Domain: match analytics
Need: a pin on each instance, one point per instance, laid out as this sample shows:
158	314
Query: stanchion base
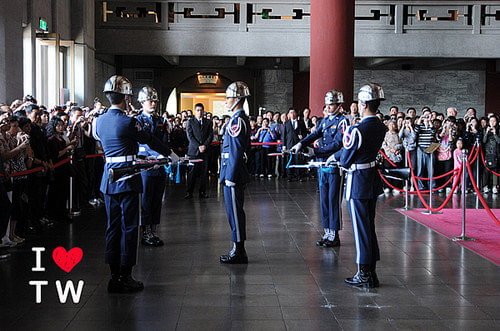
74	213
405	209
463	238
428	212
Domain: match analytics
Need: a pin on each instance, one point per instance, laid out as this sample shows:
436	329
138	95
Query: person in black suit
306	113
200	135
294	131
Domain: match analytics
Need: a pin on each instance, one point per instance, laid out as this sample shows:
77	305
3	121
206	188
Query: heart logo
67	260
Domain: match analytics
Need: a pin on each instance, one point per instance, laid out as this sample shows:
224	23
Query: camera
30	98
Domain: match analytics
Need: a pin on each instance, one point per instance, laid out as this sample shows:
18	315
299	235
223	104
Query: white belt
119	159
225	155
361	166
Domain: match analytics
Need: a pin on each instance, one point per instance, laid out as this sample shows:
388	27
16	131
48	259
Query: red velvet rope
388	160
445	201
37	169
480	195
414	192
258	144
482	157
409	162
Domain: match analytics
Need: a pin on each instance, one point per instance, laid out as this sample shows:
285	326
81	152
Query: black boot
237	255
159	242
114	285
126	283
374	274
147	236
363	278
333	243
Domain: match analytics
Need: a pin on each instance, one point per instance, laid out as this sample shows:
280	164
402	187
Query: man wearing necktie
200	134
293	131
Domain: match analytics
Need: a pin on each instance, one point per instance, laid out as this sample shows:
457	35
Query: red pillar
332	51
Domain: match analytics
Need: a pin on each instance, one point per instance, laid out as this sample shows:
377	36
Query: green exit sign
43	25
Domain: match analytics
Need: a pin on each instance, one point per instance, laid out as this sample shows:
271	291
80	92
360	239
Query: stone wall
277	89
435	89
102	72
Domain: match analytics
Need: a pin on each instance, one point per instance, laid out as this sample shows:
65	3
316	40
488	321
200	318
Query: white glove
230	183
174	158
331	160
296	148
151	158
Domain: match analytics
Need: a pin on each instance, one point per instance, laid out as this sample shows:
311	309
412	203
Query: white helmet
238	90
333	97
147	93
371	92
118	84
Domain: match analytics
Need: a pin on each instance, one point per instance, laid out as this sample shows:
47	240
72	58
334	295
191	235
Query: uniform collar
367	117
116	108
237	112
147	114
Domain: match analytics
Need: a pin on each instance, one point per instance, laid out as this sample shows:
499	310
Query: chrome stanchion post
72	213
407	181
463	237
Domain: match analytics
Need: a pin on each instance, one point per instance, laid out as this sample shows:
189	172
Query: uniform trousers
200	169
330	183
363	224
121	231
152	197
234	197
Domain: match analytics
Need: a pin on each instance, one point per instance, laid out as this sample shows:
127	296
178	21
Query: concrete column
11	51
332	51
83	30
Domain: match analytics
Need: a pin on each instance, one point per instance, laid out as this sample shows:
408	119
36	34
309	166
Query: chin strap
335	112
234	105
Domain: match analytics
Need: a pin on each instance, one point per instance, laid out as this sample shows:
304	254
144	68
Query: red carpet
478	225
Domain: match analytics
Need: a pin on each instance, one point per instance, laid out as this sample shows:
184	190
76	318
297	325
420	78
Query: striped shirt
425	135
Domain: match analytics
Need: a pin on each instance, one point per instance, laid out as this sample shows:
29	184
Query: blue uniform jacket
236	143
330	130
119	136
157	127
362	143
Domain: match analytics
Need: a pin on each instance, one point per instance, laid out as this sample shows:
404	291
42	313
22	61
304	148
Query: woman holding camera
265	135
473	136
445	151
491	141
409	139
22	162
59	187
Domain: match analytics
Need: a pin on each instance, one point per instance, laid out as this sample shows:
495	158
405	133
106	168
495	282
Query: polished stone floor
427	281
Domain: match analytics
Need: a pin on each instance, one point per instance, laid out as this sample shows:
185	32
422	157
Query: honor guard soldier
119	136
330	132
153	181
233	172
362	143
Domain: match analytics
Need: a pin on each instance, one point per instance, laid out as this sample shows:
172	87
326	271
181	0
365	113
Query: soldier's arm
237	147
313	135
145	137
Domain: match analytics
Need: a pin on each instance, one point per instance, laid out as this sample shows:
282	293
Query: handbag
491	161
444	153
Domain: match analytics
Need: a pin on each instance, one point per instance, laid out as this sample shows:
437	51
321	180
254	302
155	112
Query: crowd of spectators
33	136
